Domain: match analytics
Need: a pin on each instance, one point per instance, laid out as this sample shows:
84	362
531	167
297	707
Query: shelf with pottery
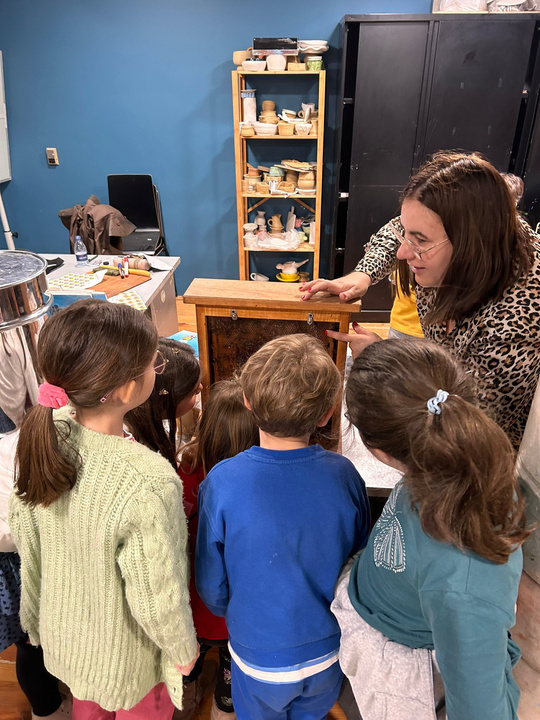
248	202
280	72
280	137
302	248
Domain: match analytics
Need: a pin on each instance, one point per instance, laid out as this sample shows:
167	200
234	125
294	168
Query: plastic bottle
79	248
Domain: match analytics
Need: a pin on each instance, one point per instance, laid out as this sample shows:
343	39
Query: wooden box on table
236	317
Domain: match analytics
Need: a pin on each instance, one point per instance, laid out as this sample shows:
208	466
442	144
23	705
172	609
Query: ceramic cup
259	276
250	227
307	110
268	105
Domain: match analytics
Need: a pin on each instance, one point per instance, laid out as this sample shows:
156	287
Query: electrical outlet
52	156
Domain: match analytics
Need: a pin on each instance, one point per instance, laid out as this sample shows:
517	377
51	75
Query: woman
476	269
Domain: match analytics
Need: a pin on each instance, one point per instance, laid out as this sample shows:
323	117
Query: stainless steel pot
24	302
23	288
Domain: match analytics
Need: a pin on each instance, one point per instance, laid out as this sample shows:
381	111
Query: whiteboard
5	169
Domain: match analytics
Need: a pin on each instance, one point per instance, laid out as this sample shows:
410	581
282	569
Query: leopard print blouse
499	344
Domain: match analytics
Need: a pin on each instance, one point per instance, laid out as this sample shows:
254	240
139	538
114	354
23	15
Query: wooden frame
240	300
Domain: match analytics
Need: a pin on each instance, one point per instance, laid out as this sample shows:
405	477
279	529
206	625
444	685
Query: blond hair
290	383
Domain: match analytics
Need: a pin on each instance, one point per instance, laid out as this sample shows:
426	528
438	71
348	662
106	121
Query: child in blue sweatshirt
276	523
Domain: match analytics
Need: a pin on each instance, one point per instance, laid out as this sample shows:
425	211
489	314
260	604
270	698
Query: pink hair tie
52	396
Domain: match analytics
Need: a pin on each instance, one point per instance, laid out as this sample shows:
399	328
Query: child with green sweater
99	523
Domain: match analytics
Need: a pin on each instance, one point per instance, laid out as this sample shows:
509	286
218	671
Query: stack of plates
312	47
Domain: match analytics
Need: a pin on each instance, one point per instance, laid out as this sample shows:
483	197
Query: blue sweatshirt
423	593
275	527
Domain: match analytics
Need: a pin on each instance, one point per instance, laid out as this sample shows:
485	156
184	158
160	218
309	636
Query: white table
158	293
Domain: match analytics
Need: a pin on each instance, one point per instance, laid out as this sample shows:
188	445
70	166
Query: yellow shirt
404	315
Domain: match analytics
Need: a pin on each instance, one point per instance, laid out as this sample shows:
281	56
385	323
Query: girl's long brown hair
460	466
180	378
492	248
226	428
88	349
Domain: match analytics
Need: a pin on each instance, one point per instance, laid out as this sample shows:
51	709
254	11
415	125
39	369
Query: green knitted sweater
105	573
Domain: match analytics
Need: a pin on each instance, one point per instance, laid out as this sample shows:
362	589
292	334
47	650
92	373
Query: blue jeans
309	699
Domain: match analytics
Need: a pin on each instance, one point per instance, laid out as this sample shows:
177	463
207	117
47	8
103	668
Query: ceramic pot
239	56
302	128
314	62
291	175
268	105
285	128
275	223
276	62
306	180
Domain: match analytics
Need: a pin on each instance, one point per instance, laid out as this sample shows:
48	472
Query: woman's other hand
348	287
358	340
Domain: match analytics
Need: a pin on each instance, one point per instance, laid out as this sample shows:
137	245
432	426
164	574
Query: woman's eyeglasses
417	251
159	367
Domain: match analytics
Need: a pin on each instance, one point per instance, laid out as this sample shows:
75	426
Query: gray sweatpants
389	681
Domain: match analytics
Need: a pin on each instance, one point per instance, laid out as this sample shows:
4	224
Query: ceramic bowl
265	128
287	187
302	128
254	65
240	55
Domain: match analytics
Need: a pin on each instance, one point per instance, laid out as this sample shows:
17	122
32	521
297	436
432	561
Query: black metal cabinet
414	84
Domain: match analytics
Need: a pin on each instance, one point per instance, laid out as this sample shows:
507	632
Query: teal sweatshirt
423	593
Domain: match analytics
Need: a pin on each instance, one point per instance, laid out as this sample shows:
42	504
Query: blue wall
130	86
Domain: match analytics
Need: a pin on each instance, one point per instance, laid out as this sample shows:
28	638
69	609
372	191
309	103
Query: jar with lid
249	106
314	62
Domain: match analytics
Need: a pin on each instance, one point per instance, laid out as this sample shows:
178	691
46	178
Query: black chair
137	198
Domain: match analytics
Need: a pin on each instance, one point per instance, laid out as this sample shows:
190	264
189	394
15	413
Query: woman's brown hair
180	378
226	428
88	349
492	249
460	466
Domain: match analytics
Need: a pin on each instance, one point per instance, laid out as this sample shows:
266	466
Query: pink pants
157	705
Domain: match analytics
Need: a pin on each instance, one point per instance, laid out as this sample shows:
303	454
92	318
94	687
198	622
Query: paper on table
77	280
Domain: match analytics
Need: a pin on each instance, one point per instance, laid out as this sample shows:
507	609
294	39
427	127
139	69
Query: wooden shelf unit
240	81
